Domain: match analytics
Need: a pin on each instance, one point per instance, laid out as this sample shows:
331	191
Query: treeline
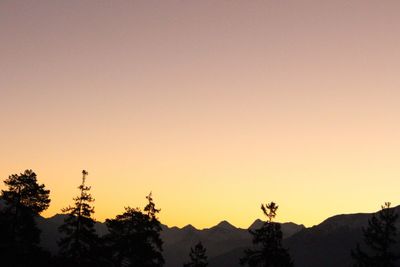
133	237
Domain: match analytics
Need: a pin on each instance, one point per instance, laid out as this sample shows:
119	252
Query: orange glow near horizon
214	106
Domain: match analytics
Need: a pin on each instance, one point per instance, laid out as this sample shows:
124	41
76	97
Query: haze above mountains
327	244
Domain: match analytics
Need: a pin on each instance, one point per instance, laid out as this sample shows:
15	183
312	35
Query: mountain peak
256	224
189	227
226	225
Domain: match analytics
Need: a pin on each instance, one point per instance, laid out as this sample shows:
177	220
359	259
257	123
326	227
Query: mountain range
327	244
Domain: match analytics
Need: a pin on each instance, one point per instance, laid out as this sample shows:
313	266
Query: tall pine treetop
24	190
134	237
82	205
24	198
80	241
380	238
267	248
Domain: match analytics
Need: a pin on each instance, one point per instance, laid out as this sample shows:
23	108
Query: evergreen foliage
134	237
198	257
380	239
22	200
80	242
267	242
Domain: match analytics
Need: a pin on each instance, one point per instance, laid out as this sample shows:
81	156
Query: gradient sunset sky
215	106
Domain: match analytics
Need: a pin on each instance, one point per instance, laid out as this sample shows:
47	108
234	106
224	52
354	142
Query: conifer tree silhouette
134	237
267	242
198	257
80	241
22	200
380	238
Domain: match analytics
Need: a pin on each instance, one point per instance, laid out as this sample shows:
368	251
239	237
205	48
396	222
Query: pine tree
134	237
267	242
22	201
80	241
197	256
380	239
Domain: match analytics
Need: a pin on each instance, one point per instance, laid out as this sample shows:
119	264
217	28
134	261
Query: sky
214	106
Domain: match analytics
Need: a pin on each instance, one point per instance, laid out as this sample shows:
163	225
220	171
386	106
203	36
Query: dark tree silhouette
22	200
79	243
198	257
380	238
267	242
134	237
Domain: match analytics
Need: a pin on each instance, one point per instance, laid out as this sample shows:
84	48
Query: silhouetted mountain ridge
225	225
327	244
218	239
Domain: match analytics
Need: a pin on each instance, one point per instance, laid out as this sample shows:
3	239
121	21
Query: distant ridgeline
137	238
220	240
